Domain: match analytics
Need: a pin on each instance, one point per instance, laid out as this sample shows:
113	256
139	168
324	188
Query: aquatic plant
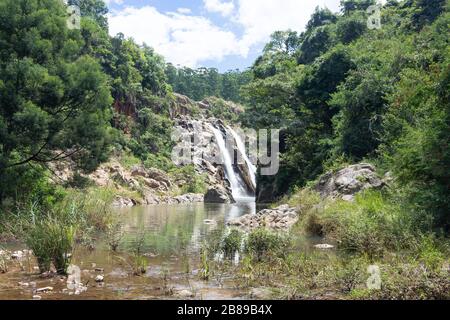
232	243
205	264
114	234
262	242
52	241
139	261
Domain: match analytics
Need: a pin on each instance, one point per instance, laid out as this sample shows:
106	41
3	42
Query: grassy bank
377	239
52	231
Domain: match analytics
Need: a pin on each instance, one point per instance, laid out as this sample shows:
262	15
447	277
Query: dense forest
205	82
340	92
343	93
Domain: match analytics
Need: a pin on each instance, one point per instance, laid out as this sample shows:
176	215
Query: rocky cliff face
204	152
194	123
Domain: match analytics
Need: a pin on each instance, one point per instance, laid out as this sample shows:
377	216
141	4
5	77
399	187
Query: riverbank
158	257
345	237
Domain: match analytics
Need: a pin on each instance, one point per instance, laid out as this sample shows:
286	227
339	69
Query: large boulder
345	183
150	198
219	194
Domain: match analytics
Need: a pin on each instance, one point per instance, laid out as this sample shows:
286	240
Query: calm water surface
170	238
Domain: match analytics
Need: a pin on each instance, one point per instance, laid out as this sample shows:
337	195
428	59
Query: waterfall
236	187
241	147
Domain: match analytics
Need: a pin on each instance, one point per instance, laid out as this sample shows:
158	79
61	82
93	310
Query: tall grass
52	232
52	241
371	224
262	244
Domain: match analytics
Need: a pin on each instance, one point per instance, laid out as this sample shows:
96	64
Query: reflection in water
173	237
175	229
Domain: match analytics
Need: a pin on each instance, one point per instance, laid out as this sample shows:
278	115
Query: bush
262	243
370	225
51	241
193	182
232	243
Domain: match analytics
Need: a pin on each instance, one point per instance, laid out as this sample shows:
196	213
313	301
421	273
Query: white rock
324	246
36	297
45	289
348	197
185	294
99	278
17	255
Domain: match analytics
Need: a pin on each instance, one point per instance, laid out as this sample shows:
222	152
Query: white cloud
187	39
181	39
113	1
184	10
260	18
225	8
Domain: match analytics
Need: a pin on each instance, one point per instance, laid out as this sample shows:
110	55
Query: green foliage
223	110
51	240
158	161
316	42
151	135
349	6
370	225
55	100
262	243
379	94
426	11
351	28
193	182
232	243
412	282
206	82
205	272
92	9
320	17
114	233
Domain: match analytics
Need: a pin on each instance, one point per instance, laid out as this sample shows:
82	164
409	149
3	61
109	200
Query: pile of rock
280	218
152	199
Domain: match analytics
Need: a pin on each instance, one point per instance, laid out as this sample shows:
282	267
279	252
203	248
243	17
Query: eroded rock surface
345	183
218	194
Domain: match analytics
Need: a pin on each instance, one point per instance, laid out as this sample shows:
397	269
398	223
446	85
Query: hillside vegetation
340	92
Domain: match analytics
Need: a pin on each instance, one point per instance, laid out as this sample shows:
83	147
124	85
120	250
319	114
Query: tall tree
55	102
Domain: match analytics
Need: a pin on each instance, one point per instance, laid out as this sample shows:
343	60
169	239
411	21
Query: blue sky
225	34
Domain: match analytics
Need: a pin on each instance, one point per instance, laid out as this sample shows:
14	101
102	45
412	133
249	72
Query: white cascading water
241	147
237	189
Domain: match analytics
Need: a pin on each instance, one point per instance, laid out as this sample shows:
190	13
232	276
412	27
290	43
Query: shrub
262	243
371	224
304	199
51	241
193	181
114	234
232	243
158	161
